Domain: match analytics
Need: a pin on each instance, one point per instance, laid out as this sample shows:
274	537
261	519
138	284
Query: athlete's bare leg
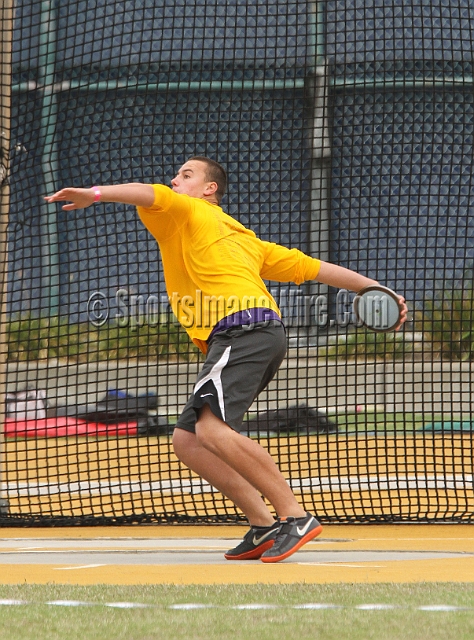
249	460
208	466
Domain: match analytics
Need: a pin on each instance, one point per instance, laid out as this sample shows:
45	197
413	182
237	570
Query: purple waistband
243	318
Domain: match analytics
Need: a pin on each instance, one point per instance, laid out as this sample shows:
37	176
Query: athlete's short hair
214	173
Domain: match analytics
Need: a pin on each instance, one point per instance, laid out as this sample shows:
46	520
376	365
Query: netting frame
318	236
6	31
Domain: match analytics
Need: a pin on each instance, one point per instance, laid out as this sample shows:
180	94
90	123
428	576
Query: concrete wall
402	387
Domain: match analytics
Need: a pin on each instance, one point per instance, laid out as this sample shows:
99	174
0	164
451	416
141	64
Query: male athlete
214	269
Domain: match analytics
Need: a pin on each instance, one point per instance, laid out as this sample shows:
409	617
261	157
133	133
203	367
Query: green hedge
32	338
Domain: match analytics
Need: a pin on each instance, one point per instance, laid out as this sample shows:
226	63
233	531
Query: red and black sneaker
293	534
256	541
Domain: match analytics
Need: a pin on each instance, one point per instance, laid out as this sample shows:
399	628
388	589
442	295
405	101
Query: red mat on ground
63	426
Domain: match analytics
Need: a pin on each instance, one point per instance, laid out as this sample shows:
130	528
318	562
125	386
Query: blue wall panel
401	170
402	178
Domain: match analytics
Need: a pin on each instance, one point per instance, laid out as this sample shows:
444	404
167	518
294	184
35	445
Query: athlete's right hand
79	198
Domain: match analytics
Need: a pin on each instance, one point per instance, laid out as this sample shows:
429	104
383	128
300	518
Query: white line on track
167	487
127	605
192	606
338	564
69	603
375	607
84	566
26	549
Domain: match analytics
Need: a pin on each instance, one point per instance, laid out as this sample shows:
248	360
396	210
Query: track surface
194	555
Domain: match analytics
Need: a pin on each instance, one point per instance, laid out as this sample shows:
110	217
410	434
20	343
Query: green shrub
33	338
447	319
365	344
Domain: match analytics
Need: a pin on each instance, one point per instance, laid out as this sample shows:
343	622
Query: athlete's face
192	180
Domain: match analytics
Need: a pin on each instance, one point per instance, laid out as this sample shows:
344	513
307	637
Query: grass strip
239	611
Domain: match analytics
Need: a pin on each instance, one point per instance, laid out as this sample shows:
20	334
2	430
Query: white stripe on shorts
215	376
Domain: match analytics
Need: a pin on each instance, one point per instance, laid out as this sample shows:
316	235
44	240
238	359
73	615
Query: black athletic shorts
240	363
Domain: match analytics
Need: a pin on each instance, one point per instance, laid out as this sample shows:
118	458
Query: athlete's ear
210	188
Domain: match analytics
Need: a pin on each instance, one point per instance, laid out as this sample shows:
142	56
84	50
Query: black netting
347	130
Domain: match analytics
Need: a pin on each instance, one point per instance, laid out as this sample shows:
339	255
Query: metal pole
49	163
167	87
336	85
366	85
6	29
321	154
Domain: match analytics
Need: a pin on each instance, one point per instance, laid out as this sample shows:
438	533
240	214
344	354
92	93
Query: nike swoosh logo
257	541
302	531
206	394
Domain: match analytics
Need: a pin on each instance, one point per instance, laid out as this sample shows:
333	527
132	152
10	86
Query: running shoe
293	534
255	542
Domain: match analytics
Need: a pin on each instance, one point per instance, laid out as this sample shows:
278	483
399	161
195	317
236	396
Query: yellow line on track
379	538
444	570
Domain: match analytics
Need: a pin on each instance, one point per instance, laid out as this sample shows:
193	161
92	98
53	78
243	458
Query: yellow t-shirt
213	265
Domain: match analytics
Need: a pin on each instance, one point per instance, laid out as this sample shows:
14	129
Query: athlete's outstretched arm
137	194
342	278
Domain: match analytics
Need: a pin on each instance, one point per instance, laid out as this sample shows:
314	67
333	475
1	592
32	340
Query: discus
377	308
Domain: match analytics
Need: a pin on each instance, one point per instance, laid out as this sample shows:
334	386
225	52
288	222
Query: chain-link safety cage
347	130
